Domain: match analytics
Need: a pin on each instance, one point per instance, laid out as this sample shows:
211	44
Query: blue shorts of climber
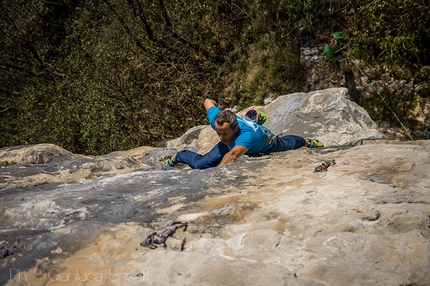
238	136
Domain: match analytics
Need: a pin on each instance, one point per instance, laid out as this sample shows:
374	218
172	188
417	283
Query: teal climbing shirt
250	135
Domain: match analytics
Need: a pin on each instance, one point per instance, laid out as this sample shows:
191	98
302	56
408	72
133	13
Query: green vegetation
96	77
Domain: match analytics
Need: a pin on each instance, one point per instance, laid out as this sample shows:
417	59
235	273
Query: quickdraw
324	166
152	242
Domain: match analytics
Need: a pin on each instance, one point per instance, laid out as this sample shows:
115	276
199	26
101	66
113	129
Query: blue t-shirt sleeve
245	137
211	113
245	140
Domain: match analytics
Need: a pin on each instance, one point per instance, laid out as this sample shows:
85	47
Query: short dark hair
226	116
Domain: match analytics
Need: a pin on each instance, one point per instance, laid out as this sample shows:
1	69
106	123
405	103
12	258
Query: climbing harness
324	166
270	138
152	242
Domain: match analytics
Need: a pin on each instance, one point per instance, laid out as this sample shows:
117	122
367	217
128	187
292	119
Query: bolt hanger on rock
152	242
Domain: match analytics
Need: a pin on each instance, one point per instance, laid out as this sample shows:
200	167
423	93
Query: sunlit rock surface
269	220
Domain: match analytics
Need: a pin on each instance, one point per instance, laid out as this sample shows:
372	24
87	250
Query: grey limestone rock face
269	220
328	115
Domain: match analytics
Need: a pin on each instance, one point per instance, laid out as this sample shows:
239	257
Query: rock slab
259	221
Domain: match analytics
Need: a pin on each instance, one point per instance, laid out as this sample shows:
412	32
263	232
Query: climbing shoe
314	143
170	163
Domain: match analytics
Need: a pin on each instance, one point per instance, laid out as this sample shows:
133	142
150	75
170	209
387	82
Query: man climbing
238	136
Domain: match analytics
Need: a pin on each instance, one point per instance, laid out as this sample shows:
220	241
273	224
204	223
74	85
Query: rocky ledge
268	220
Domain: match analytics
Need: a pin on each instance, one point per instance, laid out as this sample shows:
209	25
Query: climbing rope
340	146
334	51
382	98
350	144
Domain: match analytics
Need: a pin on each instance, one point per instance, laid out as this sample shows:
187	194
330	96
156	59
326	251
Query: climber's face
225	132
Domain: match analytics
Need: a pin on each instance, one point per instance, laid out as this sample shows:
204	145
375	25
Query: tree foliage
99	76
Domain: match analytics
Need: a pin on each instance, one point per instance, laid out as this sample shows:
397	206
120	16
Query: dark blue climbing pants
214	156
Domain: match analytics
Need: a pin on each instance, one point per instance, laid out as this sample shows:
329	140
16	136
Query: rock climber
238	136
